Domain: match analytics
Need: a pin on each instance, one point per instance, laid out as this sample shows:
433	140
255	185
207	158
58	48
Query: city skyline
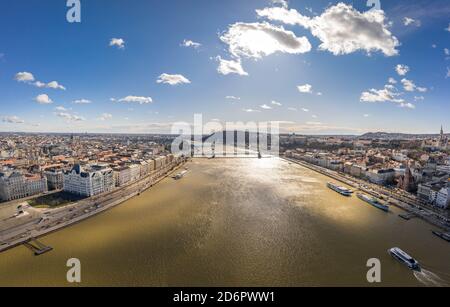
294	62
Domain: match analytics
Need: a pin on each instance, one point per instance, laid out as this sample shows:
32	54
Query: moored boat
374	202
341	190
444	236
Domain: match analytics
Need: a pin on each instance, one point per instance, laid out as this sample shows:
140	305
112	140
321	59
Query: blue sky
294	62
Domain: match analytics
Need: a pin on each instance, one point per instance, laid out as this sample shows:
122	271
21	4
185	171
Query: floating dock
37	247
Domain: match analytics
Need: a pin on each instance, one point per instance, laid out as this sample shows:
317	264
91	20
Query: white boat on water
180	175
341	190
404	258
374	202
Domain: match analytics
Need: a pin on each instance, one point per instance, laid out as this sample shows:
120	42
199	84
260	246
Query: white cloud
233	98
447	51
422	89
407	21
28	78
342	29
407	105
12	120
56	85
172	79
307	88
283	3
82	101
402	70
266	107
117	42
60	108
255	40
53	85
39	84
392	81
105	116
43	99
419	98
410	86
388	94
293	109
448	73
24	77
136	99
70	117
189	43
366	115
250	110
282	14
227	67
448	28
276	103
305	110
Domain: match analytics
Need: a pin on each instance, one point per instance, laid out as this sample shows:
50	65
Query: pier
37	247
407	216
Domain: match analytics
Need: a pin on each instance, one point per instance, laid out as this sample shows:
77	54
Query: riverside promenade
407	204
56	219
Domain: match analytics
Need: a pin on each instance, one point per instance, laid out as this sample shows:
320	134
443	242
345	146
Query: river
236	222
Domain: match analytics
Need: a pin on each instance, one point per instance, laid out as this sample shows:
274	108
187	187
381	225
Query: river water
236	222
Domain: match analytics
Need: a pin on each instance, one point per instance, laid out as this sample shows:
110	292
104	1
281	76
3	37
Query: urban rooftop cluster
418	165
83	165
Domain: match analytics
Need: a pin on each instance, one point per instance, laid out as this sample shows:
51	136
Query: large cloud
255	40
342	29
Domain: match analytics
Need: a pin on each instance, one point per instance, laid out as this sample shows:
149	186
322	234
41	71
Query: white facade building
443	198
89	181
16	185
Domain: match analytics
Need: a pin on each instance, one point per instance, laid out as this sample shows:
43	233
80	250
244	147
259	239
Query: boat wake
430	279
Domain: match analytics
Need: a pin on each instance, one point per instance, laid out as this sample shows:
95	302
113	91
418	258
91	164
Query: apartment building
16	185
